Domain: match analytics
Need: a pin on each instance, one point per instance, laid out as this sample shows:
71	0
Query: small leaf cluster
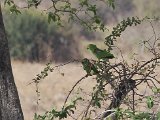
89	7
44	73
95	19
150	102
136	115
55	18
63	113
12	6
34	3
117	31
125	114
111	3
156	90
99	94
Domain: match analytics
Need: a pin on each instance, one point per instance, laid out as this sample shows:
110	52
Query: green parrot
89	67
100	54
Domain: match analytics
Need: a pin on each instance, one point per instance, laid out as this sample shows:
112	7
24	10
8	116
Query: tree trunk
10	108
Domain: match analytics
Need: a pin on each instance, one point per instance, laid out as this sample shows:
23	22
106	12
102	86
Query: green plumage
100	54
89	67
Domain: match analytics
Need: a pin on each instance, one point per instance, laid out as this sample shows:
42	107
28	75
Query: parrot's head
91	47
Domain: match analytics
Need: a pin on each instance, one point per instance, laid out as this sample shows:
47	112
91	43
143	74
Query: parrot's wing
86	66
108	54
100	54
103	54
95	71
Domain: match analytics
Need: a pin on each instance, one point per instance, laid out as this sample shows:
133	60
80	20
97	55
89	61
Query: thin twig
73	88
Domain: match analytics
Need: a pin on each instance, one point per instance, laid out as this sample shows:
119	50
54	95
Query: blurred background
33	43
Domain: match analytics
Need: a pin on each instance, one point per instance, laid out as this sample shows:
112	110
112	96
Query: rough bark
10	108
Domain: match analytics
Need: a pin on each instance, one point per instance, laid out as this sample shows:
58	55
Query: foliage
121	77
64	113
32	38
117	31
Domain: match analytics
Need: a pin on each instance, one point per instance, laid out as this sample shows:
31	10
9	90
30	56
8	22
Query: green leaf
150	102
97	20
98	104
111	3
13	9
69	107
93	9
34	3
51	17
83	2
72	111
156	90
142	116
9	2
35	116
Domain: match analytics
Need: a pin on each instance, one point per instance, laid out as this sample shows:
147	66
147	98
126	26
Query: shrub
32	38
